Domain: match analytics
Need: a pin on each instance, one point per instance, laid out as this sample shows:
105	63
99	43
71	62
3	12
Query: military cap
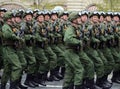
28	12
3	9
63	13
95	13
73	16
8	15
39	13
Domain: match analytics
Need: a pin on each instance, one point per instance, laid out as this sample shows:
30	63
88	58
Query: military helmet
95	13
116	14
3	9
14	11
54	12
39	13
8	15
36	10
46	12
22	11
109	14
84	13
73	16
80	13
63	13
59	8
18	14
28	12
101	13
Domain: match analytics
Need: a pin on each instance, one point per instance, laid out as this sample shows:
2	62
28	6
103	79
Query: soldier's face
101	19
40	18
13	19
54	17
108	18
84	18
79	20
2	14
65	17
75	21
28	17
95	19
116	18
47	17
9	21
18	19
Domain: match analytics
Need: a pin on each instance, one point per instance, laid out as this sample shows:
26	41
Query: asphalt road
58	84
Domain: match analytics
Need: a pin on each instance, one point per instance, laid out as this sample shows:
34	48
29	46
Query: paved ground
58	85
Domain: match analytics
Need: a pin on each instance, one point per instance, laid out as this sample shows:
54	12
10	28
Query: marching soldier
57	39
26	26
12	65
89	69
74	69
40	43
116	53
2	12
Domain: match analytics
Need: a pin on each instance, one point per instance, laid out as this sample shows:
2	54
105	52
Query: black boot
104	83
20	85
63	71
2	86
52	76
29	81
90	84
14	85
71	86
40	79
116	77
66	88
57	73
79	87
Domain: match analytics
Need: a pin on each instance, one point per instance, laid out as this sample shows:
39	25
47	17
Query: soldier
26	26
103	82
57	39
2	12
84	35
38	50
93	28
116	28
74	69
47	15
63	16
52	57
12	65
19	32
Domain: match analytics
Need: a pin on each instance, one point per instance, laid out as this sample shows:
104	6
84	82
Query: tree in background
109	5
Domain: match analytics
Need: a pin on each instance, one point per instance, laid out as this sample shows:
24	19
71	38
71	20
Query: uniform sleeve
8	34
37	35
70	37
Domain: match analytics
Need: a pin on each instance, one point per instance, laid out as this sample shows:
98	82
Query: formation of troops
52	45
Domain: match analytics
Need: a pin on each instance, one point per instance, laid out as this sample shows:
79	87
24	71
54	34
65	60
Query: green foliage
109	5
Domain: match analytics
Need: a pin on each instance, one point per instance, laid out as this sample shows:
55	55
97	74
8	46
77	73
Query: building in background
71	5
